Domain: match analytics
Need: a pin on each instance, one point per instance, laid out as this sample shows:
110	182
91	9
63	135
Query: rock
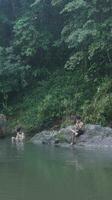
45	137
94	136
2	125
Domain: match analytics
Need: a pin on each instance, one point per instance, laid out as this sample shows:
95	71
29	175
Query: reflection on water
19	145
30	172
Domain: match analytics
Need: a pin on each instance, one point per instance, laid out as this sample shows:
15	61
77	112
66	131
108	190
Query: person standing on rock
78	129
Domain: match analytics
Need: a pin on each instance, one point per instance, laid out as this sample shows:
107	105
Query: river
30	172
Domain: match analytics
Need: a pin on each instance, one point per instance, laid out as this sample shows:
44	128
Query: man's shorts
79	132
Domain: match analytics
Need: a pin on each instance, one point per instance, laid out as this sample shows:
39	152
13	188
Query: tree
87	32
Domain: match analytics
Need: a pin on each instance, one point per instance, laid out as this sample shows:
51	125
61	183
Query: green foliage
99	109
74	5
11	71
88	32
75	60
27	38
61	96
38	38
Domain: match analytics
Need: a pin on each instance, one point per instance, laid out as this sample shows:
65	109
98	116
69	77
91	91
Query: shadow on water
43	172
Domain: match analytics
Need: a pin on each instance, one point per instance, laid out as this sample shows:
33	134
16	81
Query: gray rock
94	136
45	137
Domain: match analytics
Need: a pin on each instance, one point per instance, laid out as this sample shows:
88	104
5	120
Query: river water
29	172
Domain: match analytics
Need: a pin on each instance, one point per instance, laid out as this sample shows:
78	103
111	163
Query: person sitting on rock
78	129
20	136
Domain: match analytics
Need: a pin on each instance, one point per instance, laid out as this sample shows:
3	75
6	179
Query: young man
77	130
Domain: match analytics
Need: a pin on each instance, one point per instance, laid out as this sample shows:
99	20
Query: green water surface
29	172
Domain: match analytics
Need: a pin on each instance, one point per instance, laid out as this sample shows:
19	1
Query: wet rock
45	137
94	136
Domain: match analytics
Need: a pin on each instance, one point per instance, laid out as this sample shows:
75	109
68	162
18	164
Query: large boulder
3	121
44	137
94	136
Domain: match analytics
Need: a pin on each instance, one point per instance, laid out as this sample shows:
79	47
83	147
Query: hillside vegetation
55	61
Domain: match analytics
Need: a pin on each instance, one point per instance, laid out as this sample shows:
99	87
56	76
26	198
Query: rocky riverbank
94	136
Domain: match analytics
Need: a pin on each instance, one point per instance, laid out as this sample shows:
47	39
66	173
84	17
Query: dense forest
55	61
